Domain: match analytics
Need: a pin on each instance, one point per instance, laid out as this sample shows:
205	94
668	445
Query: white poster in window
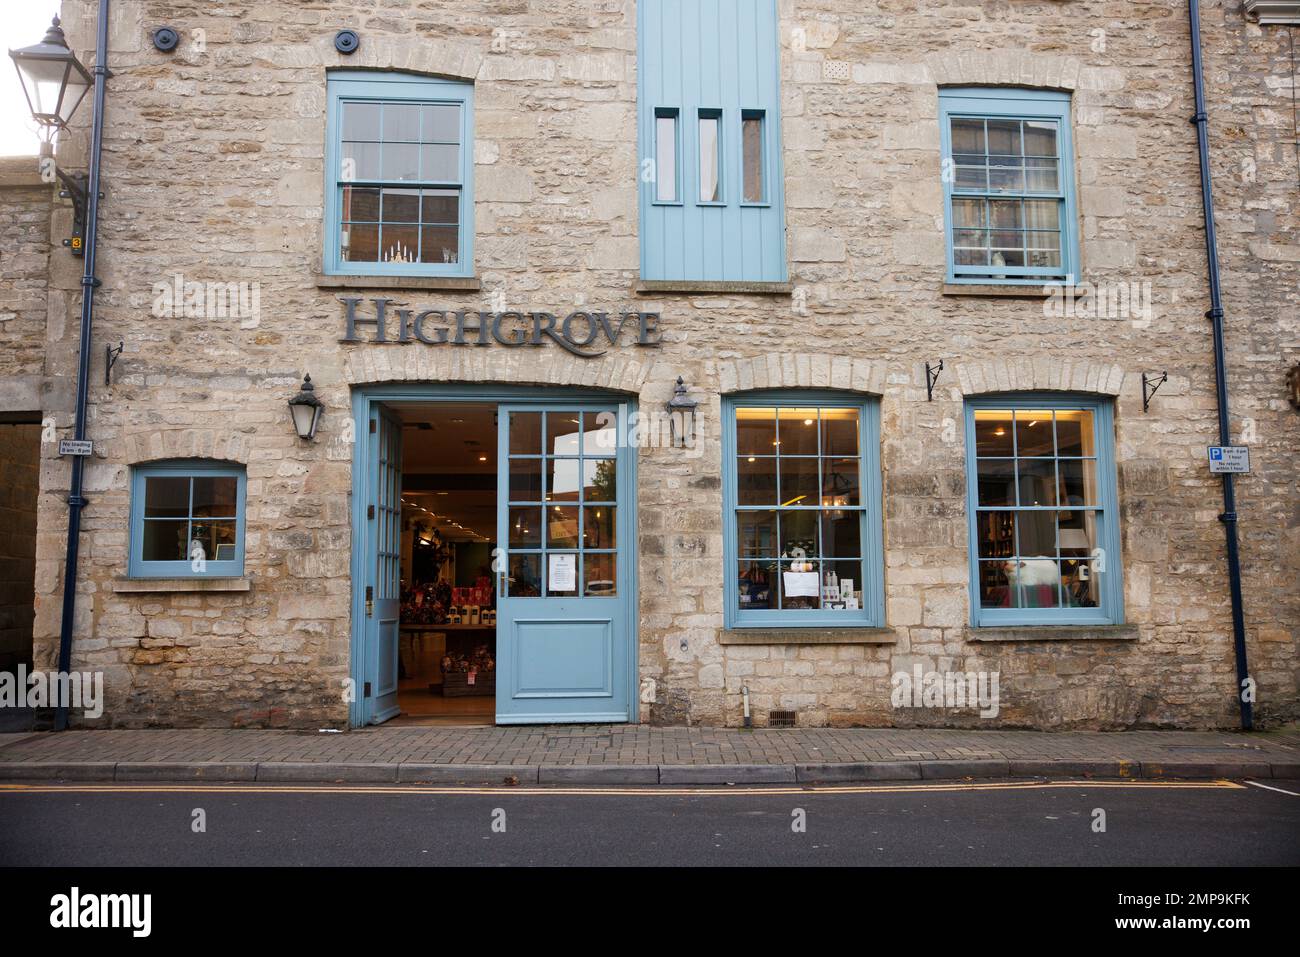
563	573
801	584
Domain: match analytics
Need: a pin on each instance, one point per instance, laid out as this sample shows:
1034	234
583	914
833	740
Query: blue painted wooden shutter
712	58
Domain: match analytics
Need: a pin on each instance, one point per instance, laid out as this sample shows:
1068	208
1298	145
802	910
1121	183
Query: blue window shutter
352	86
711	58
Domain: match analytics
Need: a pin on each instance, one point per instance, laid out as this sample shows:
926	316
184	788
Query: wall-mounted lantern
306	410
55	83
1293	385
681	416
53	79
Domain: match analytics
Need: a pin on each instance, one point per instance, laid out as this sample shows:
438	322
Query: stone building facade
214	163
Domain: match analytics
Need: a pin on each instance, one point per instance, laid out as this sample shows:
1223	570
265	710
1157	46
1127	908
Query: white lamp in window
306	410
1076	540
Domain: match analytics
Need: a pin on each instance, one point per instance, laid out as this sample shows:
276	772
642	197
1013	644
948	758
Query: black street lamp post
55	83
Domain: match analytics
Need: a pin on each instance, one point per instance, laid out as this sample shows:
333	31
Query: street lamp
55	83
306	410
53	79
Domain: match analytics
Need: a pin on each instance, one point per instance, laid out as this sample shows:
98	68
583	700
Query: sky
23	23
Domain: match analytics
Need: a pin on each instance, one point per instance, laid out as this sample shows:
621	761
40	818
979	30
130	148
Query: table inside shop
461	640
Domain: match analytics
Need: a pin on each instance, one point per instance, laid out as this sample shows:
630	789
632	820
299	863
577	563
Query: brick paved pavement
626	753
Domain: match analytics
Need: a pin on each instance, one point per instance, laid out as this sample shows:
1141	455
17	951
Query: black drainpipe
1215	315
88	284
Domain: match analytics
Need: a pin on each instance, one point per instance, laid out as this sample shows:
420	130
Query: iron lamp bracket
76	187
1150	384
931	377
111	355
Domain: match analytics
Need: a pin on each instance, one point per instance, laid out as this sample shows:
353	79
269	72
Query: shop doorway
447	650
493	567
20	469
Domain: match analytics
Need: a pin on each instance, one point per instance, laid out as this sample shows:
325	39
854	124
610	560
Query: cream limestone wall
214	169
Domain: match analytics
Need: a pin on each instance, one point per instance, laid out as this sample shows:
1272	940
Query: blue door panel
386	682
568	658
384	528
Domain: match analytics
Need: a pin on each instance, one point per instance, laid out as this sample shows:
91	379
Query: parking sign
1229	458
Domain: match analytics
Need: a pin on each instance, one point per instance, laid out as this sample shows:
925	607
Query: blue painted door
564	571
383	590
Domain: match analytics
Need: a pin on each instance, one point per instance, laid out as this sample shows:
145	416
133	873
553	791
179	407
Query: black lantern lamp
681	416
53	79
55	83
306	410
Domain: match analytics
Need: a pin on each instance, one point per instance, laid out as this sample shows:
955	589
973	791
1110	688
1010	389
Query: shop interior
1039	502
447	652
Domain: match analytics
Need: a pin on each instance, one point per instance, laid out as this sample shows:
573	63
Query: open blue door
383	589
564	574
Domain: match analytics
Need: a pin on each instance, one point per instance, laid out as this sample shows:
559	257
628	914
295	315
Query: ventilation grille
836	70
781	719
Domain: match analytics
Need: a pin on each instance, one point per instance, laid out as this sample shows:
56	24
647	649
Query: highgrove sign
585	334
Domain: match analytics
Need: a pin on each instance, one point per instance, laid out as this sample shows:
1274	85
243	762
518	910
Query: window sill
992	290
649	287
436	283
1053	633
807	636
146	585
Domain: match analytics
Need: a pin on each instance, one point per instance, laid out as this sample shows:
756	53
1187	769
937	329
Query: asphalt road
984	823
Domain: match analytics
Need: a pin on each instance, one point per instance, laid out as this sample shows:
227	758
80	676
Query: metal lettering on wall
581	333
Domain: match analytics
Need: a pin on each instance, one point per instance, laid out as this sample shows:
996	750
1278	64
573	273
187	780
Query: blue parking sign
1229	458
